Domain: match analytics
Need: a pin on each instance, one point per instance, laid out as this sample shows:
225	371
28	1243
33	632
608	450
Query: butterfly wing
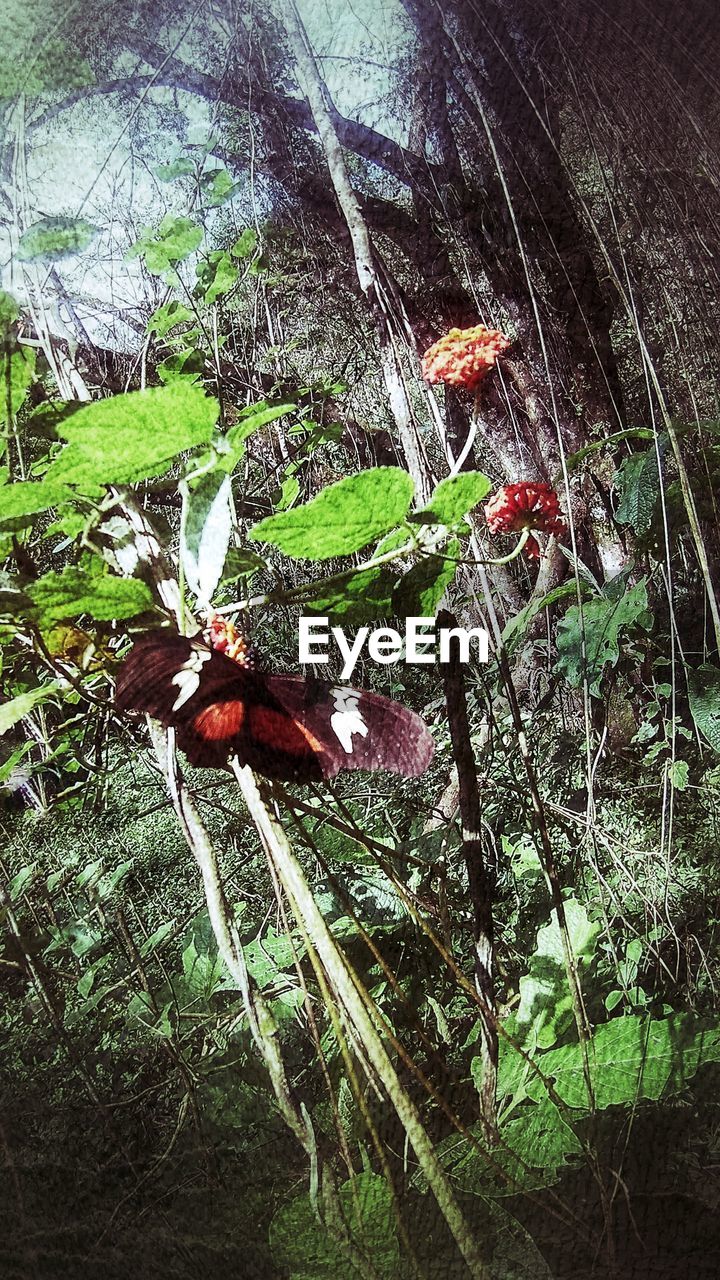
285	727
355	729
217	707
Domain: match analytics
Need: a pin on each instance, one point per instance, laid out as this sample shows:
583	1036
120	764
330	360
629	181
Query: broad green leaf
639	484
216	276
217	187
12	712
239	562
205	532
271	955
22	881
178	237
537	1136
309	1250
419	592
53	238
250	420
631	1058
342	518
540	1137
522	620
603	621
166	317
289	490
188	365
678	774
173	241
9	309
179	168
134	436
16	373
26	497
704	698
245	244
545	1008
357	597
8	766
154	941
72	592
573	459
456	495
203	971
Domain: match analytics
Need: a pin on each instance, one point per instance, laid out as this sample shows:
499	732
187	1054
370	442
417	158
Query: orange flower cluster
222	634
463	357
528	505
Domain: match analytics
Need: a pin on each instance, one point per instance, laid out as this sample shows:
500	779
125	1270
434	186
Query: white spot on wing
346	719
187	679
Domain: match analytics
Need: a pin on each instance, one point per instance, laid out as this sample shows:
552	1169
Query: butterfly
288	727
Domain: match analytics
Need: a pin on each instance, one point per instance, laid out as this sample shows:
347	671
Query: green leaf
245	245
239	562
678	774
152	943
175	239
205	532
16	373
251	420
704	698
639	484
289	490
9	309
342	518
603	620
166	317
188	365
519	624
306	1248
53	238
12	712
419	592
8	766
545	1009
573	459
217	276
26	497
271	955
72	592
456	495
134	436
203	971
22	881
179	168
217	187
357	597
631	1057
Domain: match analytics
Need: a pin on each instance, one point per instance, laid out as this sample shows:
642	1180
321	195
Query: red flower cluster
530	504
222	634
463	357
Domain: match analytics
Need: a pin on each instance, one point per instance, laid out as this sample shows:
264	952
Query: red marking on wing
220	720
278	730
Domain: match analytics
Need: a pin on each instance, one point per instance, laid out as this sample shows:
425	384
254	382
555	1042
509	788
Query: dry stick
292	878
365	261
355	1088
478	879
260	1019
